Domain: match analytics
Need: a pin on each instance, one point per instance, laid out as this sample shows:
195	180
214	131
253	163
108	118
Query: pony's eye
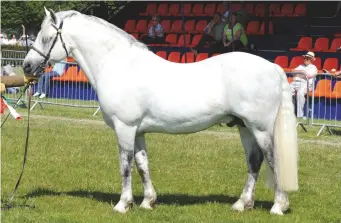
46	39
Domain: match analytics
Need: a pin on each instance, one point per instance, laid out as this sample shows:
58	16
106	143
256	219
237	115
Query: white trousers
300	86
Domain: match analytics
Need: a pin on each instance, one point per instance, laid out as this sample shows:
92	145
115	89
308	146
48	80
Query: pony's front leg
126	138
141	159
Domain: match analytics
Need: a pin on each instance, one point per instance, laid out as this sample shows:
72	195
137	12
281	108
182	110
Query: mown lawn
72	174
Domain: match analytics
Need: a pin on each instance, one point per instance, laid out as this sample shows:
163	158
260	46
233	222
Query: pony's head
50	45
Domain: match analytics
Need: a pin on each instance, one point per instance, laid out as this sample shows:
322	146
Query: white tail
285	141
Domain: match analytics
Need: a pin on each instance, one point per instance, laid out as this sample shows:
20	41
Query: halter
47	56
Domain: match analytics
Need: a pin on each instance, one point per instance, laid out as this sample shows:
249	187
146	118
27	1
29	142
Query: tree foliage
31	13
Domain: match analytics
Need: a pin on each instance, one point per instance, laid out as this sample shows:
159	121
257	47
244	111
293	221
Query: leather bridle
47	56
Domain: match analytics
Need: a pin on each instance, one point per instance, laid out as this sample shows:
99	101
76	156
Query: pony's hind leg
141	159
265	141
126	139
254	159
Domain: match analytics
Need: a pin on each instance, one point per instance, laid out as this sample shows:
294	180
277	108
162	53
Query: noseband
47	56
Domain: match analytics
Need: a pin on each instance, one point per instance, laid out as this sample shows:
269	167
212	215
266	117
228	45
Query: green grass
72	174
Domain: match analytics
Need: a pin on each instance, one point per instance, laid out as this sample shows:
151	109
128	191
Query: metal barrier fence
326	102
318	106
71	89
321	105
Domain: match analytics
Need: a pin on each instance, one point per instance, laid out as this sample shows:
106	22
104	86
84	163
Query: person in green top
213	34
238	40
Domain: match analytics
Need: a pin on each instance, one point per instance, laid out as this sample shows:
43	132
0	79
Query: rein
9	204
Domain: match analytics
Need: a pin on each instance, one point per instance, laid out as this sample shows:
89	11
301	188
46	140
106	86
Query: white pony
139	92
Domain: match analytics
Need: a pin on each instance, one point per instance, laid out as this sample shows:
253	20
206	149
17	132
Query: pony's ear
53	16
47	12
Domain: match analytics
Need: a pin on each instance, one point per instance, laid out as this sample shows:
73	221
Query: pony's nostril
27	67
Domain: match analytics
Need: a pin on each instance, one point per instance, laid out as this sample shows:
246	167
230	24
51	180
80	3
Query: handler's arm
16	80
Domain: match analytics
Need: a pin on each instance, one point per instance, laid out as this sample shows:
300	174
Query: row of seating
322	44
324	89
209	9
72	74
328	64
190	26
187	57
177	41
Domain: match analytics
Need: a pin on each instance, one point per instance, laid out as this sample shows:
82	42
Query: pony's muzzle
27	67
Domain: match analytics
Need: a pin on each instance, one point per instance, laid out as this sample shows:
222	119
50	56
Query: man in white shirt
4	40
307	72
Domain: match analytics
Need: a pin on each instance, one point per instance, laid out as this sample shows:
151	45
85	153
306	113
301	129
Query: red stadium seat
198	9
141	26
296	61
135	35
189	57
174	57
130	26
150	10
176	26
274	9
200	26
336	93
210	9
287	10
321	44
236	7
166	24
304	44
260	10
282	61
262	31
336	43
69	75
201	56
187	9
162	54
181	41
300	10
331	63
323	89
252	28
196	40
318	63
174	9
221	8
171	38
337	35
190	26
81	77
163	9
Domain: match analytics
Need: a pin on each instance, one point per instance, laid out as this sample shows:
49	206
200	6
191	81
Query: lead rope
9	204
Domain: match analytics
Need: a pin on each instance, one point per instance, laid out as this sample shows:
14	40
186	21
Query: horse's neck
92	44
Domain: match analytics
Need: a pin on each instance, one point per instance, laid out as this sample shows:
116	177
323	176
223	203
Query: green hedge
14	47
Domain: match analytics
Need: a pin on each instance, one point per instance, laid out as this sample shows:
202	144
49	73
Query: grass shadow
166	199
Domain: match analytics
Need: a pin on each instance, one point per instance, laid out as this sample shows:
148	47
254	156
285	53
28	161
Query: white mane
68	14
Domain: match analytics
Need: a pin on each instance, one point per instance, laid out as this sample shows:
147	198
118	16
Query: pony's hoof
276	210
146	205
122	207
238	206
